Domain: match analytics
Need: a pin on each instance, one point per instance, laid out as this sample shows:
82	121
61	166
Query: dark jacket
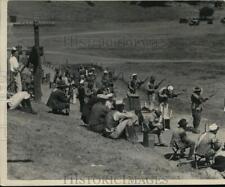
58	100
81	93
97	117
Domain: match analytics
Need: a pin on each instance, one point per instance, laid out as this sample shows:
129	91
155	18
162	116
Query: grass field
153	43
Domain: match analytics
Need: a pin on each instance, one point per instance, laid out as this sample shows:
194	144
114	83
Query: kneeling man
58	101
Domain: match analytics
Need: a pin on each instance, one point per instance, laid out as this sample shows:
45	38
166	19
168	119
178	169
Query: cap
105	72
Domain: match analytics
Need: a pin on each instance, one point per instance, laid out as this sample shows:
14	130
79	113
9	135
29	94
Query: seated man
117	120
58	101
180	138
155	124
208	144
22	98
98	113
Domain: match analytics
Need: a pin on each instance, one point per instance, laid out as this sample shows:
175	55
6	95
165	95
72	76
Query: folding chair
198	158
175	149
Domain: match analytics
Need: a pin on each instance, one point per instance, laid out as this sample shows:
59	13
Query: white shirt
17	98
14	65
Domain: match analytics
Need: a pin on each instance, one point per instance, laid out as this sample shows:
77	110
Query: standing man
81	94
196	107
15	69
133	98
164	95
105	79
134	84
152	90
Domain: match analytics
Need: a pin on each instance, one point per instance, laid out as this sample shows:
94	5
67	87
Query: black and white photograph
114	92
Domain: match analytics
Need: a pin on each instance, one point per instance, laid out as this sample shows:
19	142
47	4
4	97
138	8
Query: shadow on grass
19	160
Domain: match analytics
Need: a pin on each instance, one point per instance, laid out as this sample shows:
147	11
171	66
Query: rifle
159	83
143	81
180	93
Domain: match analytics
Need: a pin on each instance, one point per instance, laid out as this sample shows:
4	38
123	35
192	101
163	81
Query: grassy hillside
102	11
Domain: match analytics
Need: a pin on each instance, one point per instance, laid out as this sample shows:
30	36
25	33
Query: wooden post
37	67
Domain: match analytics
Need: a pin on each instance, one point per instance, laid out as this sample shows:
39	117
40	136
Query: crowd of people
102	111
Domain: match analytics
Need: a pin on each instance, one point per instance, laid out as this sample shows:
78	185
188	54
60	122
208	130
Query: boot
29	107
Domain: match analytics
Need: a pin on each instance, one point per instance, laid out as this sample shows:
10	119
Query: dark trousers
81	104
196	114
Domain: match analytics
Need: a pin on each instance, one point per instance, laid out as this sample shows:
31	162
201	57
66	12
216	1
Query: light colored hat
90	73
170	88
213	127
82	81
110	95
134	74
105	71
103	96
14	49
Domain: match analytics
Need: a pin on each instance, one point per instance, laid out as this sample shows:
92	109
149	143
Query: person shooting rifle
151	90
135	84
164	95
197	101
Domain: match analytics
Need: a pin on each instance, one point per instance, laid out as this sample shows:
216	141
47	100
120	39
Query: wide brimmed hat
197	89
214	127
104	96
119	102
183	122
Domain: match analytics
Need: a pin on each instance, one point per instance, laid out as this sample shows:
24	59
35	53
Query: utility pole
37	67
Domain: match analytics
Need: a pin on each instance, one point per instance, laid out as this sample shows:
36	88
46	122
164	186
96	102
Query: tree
205	12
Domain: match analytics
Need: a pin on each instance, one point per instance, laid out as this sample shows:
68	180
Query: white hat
170	88
81	81
213	127
14	49
134	74
110	95
105	71
119	102
103	96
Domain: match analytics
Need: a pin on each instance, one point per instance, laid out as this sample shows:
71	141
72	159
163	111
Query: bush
205	12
